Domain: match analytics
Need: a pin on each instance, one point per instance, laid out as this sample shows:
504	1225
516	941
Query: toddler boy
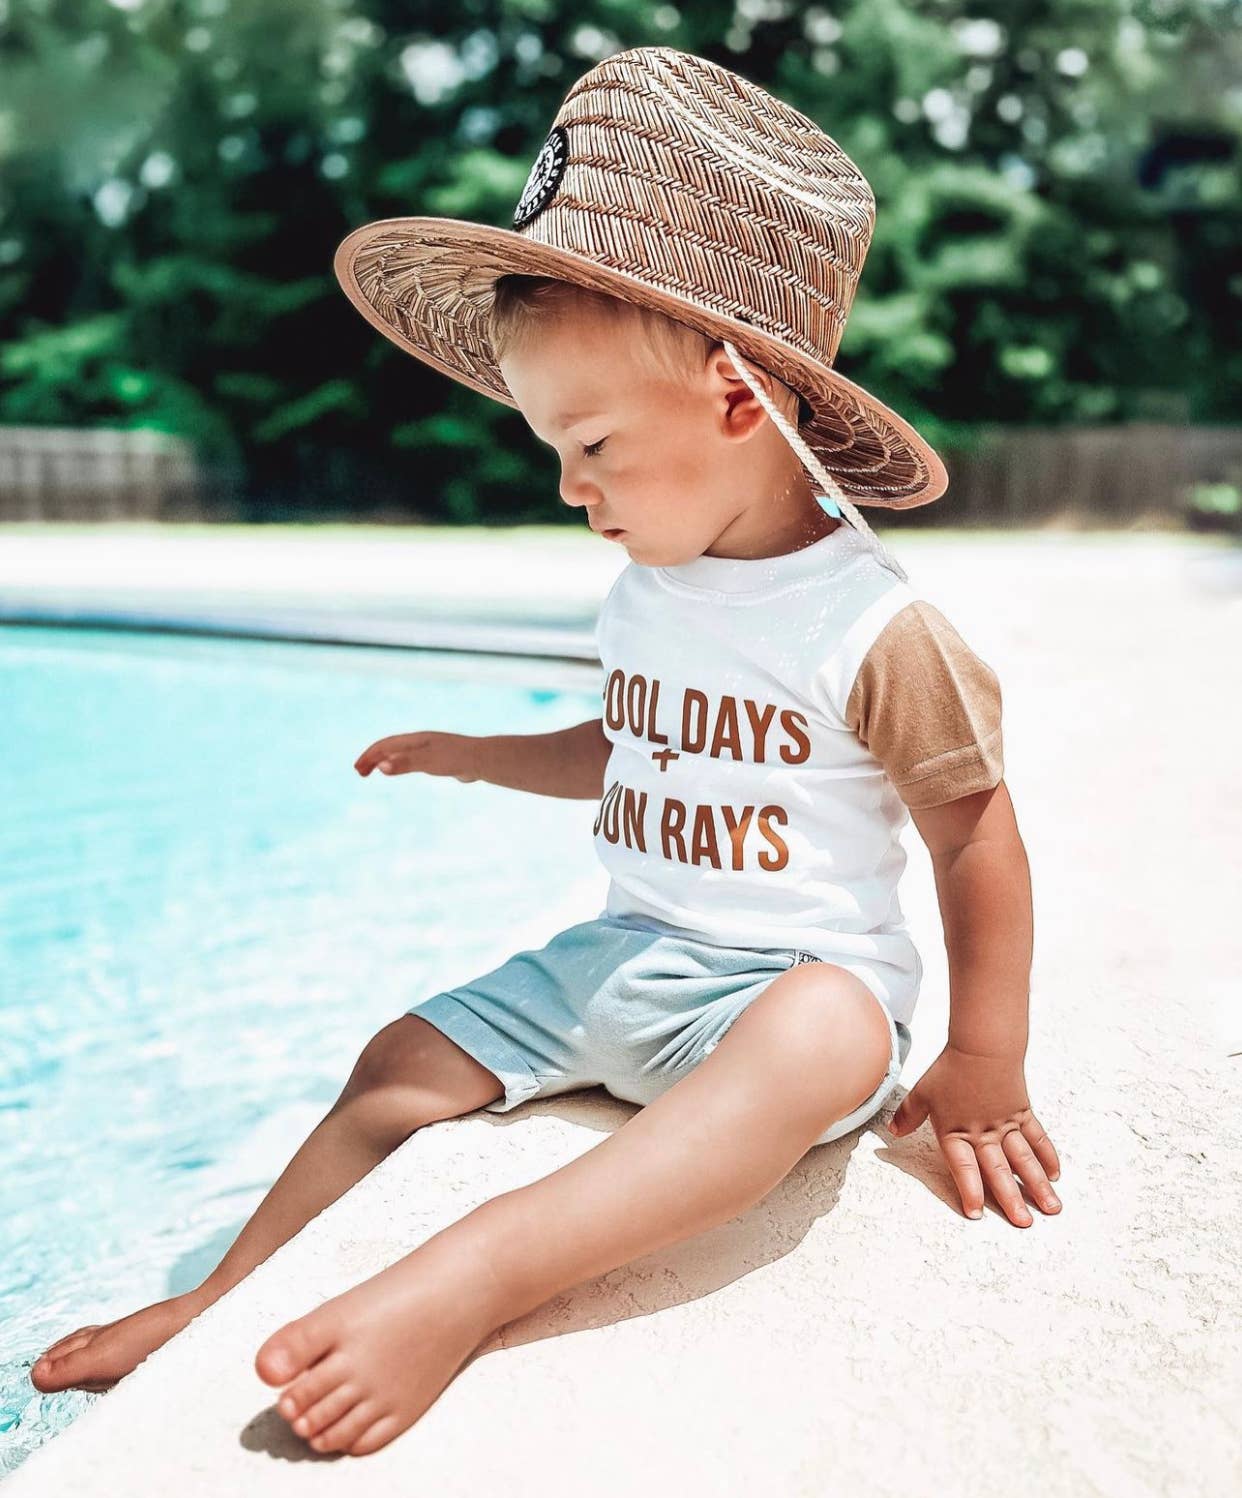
777	702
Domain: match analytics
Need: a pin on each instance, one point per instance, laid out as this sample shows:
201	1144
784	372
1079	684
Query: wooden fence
1107	474
100	473
1012	476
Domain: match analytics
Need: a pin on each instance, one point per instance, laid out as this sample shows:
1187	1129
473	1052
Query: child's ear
738	393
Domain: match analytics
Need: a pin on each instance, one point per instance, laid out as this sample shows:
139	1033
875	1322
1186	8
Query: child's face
675	468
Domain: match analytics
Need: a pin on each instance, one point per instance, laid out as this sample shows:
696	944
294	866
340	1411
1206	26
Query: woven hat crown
694	180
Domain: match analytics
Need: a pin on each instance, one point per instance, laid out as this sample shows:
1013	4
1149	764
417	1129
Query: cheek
687	470
683	495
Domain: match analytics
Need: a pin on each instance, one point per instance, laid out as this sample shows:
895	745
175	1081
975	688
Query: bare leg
365	1365
409	1074
808	1051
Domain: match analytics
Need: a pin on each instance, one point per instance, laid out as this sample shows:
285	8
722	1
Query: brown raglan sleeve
928	708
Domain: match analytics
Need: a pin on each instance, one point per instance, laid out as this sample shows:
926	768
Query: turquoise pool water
205	912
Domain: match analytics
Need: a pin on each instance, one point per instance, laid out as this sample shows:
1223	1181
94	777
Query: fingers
998	1162
1004	1188
1023	1161
388	755
961	1157
371	757
1035	1135
909	1115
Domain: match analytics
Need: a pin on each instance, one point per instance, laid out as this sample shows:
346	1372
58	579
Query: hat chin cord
812	463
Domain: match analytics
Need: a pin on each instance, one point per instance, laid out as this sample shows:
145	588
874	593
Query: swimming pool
205	912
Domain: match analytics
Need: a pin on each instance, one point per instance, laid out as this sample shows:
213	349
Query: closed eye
594	447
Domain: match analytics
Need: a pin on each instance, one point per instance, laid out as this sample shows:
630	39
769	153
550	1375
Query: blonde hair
668	348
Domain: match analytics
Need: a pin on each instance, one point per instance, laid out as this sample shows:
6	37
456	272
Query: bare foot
367	1364
97	1357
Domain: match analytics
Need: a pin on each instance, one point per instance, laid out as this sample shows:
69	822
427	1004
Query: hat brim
426	285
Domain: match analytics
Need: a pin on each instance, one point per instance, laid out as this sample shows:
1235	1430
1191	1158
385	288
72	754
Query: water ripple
204	914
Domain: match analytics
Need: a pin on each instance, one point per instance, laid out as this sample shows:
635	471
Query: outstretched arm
569	762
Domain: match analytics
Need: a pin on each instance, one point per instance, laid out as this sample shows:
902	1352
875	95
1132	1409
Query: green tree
1057	239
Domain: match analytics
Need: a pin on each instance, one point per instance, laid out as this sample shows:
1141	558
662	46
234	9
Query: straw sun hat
671	182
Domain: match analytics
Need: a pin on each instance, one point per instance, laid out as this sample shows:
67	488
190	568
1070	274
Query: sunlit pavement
853	1332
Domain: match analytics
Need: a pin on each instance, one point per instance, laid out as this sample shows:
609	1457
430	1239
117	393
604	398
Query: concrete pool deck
853	1332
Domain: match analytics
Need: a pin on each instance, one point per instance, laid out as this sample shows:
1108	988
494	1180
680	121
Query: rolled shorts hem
899	1048
477	1038
899	1040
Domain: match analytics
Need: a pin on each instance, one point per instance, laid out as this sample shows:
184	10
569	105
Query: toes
81	1365
43	1378
312	1386
293	1348
376	1436
345	1431
68	1342
46	1377
80	1368
327	1411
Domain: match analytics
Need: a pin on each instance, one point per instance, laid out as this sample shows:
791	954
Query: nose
576	492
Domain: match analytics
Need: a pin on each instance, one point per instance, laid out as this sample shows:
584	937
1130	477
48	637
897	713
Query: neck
787	519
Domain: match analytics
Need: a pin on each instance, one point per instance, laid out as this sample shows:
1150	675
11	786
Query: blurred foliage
1058	238
1212	500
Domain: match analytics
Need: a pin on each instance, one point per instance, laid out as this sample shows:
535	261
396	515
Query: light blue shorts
612	1003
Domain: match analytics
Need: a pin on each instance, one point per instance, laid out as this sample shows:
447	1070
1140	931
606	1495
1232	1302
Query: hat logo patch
544	177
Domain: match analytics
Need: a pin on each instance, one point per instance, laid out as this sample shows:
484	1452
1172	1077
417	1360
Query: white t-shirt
771	721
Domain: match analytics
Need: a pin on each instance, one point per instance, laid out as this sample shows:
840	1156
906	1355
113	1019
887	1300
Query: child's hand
982	1117
431	752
